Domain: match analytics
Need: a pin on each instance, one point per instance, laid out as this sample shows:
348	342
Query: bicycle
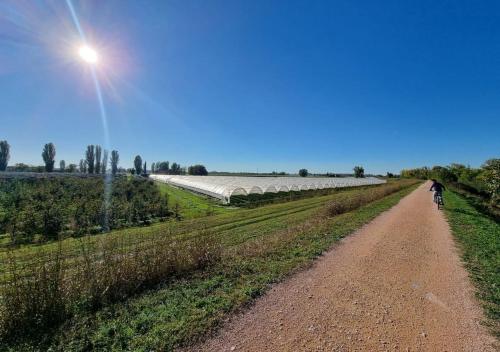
438	199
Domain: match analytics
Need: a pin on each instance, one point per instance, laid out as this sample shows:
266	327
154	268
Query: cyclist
437	188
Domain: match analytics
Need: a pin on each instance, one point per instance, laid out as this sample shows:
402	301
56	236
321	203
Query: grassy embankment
191	205
479	239
167	285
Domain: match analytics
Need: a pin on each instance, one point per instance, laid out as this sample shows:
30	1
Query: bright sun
88	54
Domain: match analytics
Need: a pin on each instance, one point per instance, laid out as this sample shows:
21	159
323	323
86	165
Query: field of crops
37	209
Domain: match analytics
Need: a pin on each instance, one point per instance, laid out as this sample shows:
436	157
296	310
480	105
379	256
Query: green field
479	239
191	205
257	247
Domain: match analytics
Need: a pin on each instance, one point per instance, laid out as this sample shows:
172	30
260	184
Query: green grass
191	205
261	246
479	239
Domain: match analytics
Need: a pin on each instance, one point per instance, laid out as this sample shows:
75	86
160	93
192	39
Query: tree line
359	172
165	168
483	181
96	161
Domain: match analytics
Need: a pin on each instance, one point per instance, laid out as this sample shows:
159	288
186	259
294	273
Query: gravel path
395	285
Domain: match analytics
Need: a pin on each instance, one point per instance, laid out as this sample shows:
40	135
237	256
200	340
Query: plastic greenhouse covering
224	187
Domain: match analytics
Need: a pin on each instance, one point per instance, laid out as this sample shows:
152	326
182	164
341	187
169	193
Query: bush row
40	209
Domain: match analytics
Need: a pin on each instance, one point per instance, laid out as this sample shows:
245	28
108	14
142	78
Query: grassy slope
479	239
191	205
186	309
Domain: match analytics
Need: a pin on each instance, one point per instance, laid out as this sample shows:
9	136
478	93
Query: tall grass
344	205
44	292
37	295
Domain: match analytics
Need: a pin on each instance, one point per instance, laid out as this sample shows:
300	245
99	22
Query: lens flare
88	54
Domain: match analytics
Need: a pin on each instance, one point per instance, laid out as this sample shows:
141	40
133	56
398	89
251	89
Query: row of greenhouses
224	187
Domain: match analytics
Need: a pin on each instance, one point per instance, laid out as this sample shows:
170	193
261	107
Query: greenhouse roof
224	187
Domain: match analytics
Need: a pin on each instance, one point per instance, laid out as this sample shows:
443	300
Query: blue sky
256	85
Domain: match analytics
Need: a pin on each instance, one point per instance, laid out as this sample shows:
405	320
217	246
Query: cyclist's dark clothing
437	187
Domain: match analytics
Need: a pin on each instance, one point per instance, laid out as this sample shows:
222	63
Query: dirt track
395	285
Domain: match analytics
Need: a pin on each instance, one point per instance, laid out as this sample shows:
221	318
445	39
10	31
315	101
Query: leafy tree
390	174
48	155
175	169
303	172
83	166
491	177
90	158
144	168
62	166
422	173
153	165
197	170
163	167
443	174
138	164
72	168
114	161
104	165
98	152
359	171
457	169
4	155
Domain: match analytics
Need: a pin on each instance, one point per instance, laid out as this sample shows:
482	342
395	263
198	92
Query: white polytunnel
284	188
223	187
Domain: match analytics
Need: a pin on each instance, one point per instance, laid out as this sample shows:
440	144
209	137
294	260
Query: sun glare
88	54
